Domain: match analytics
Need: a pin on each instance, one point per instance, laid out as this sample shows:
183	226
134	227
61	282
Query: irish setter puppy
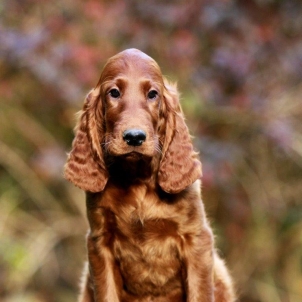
149	238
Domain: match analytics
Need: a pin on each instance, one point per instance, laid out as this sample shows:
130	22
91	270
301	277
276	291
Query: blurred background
239	69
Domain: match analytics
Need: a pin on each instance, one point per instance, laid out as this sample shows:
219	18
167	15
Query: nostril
134	137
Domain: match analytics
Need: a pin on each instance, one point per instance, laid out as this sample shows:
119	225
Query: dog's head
133	112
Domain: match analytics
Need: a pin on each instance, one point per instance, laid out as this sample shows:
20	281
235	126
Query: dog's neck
131	169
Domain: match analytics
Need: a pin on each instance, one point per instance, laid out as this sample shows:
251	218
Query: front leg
198	257
104	273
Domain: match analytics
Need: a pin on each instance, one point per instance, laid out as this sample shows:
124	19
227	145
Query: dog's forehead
135	54
131	61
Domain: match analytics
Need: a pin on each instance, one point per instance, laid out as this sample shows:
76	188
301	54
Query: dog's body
149	239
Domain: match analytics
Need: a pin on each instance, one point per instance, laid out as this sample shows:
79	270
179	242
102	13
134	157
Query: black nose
134	137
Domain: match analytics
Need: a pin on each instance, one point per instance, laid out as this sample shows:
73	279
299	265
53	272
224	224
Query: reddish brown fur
149	239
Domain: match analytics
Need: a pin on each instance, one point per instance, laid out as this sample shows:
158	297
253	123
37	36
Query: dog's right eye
114	93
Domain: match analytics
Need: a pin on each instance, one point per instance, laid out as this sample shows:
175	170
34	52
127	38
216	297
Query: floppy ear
85	164
179	166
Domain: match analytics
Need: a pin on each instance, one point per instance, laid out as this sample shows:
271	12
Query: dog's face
131	89
133	113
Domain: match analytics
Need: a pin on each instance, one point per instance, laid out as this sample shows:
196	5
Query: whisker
107	141
158	150
158	144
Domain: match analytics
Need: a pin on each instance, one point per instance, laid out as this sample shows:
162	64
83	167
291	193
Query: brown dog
149	239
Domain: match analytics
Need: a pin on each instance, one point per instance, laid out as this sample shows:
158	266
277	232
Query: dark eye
152	94
114	93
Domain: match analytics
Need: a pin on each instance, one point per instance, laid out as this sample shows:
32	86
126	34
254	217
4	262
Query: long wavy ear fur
179	166
85	164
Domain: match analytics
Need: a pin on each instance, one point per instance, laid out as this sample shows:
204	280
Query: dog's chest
148	257
146	244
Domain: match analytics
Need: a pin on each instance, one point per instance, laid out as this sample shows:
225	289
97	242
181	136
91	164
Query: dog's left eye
152	94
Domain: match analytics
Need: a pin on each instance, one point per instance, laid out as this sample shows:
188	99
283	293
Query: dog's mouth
133	156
